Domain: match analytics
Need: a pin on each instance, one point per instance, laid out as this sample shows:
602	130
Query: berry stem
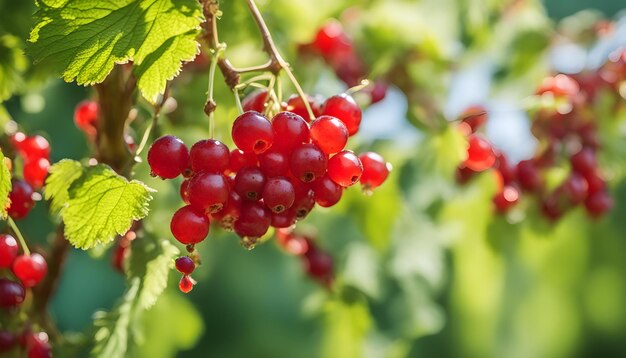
361	86
151	125
18	233
211	105
238	100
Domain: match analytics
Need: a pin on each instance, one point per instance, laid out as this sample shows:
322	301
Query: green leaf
62	175
151	261
84	39
95	203
346	328
5	187
13	63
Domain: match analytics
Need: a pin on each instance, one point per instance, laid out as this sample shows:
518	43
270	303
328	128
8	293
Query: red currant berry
86	117
326	192
597	204
284	219
185	265
21	199
329	134
303	204
38	346
168	157
378	92
8	250
296	105
308	162
252	132
480	155
30	269
186	284
595	183
475	117
504	167
278	194
375	170
209	155
506	198
184	191
255	101
345	168
528	175
559	85
254	220
464	174
584	162
274	163
249	183
36	171
208	191
293	244
230	213
32	148
552	208
291	130
189	226
575	188
11	293
239	159
7	341
343	107
119	255
319	265
328	36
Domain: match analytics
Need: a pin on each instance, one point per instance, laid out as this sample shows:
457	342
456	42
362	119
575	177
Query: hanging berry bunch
567	135
318	264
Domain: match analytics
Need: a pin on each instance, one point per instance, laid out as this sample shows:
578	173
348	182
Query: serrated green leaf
5	187
151	261
83	40
62	175
13	63
102	204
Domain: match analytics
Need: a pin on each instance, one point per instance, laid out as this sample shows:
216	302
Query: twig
18	233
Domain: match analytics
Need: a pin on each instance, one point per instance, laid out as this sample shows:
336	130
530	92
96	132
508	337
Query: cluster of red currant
334	45
280	171
318	263
20	273
86	117
567	135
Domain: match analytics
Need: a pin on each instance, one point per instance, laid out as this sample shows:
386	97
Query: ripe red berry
528	175
168	157
254	220
21	199
30	269
186	284
303	204
189	225
239	159
249	183
11	293
36	171
575	188
308	162
584	162
345	168
274	163
597	204
33	147
559	85
86	117
209	155
119	255
480	155
595	183
506	198
293	244
329	37
329	134
184	191
507	171
475	117
284	219
185	265
278	194
8	250
552	207
296	105
208	191
343	107
319	265
326	192
7	341
375	170
230	213
290	130
252	132
38	346
255	101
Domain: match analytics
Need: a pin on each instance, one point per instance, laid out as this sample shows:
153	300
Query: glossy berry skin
303	204
284	219
343	107
319	265
184	191
38	346
30	269
11	293
7	341
308	162
8	250
584	162
329	134
506	198
254	221
598	204
290	130
296	105
86	117
186	284
575	188
185	265
375	170
208	191
209	155
345	168
278	194
239	159
595	183
480	155
528	176
252	132
274	163
229	213
33	147
189	226
326	192
255	101
21	199
249	183
36	171
168	157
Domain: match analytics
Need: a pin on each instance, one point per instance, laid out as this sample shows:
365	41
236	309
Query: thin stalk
18	233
